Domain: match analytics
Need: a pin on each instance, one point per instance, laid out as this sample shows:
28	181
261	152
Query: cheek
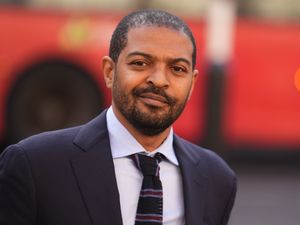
123	87
182	89
127	82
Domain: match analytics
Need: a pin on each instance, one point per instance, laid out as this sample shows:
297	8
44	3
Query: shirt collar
123	144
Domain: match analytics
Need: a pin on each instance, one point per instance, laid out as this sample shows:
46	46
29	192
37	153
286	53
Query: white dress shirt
129	178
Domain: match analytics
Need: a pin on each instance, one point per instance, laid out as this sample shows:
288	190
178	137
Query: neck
150	143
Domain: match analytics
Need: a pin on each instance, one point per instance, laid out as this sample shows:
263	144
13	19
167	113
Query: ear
108	69
194	78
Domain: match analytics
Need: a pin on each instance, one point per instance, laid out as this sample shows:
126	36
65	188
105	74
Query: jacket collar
194	180
95	174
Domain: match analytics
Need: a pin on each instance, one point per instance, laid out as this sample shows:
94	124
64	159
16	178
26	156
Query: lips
154	97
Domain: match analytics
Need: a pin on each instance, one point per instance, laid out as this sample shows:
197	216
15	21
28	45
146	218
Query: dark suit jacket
67	177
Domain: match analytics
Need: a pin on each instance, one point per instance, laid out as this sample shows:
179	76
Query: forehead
159	41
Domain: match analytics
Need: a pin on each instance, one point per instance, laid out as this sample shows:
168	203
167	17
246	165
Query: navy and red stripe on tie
150	205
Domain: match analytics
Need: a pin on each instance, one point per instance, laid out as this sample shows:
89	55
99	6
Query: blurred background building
245	106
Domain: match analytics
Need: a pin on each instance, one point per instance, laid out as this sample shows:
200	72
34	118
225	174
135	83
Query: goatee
153	121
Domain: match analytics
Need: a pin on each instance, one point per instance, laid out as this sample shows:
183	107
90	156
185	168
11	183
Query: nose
158	77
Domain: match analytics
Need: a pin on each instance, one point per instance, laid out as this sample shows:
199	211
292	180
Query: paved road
267	195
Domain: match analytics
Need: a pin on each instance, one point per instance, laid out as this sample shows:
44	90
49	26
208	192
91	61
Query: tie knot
148	165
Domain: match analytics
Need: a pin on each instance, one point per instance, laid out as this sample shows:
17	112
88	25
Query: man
88	175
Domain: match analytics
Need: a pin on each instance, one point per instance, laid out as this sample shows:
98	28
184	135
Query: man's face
153	78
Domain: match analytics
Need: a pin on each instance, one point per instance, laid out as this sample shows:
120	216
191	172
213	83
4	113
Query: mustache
157	91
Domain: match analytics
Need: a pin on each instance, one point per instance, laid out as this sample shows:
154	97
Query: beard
153	120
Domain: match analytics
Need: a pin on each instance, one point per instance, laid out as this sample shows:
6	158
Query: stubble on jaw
156	119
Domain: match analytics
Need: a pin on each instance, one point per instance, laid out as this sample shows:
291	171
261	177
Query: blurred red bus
50	77
50	74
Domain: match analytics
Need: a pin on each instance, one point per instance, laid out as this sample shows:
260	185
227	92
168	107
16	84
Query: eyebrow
140	53
180	59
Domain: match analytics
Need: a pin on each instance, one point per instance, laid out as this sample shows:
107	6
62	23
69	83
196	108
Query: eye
138	63
178	69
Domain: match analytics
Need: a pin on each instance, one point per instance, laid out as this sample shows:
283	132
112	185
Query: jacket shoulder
47	145
50	138
210	158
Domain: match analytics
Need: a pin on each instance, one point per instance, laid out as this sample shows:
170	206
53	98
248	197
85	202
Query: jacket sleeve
230	203
17	194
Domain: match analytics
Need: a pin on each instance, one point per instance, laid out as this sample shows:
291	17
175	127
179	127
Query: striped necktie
150	205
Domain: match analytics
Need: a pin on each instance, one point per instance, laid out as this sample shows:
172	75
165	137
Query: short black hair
147	17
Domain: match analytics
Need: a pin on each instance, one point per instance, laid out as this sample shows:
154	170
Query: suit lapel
194	182
95	175
94	171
